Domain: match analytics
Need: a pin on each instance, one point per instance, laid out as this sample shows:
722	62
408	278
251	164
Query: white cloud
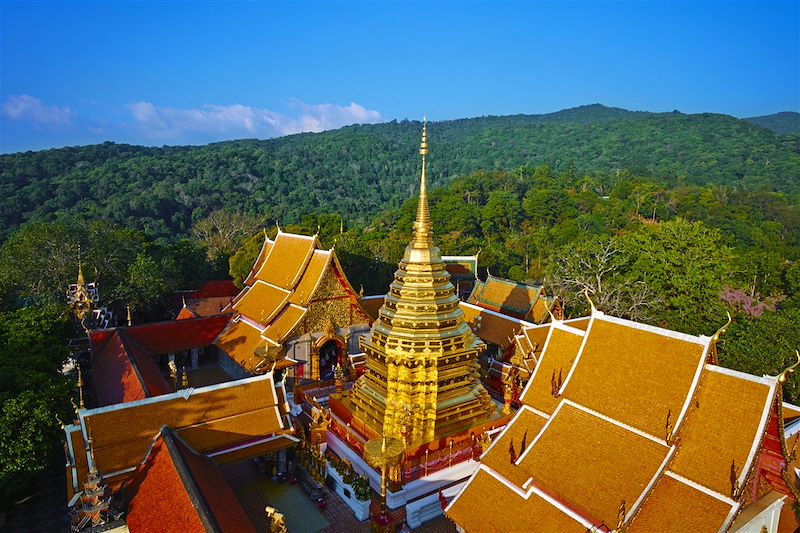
237	119
32	109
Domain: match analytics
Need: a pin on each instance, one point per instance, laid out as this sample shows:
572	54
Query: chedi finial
422	225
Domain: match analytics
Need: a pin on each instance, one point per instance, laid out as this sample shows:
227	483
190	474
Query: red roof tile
172	336
176	489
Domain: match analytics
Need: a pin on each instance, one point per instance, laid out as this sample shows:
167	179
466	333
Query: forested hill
359	171
785	123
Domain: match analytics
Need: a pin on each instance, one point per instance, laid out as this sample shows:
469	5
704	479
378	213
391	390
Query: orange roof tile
282	326
494	327
239	341
510	512
176	489
158	500
262	302
266	247
185	314
217	494
79	454
114	378
506	296
498	457
592	463
219	416
172	336
674	507
287	260
311	277
635	374
714	436
554	365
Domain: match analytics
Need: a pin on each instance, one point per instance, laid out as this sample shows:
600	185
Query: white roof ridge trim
702	340
763	380
702	488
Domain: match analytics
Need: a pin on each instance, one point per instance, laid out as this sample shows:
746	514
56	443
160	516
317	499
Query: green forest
666	218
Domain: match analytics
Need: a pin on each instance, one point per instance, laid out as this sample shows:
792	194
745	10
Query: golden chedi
421	377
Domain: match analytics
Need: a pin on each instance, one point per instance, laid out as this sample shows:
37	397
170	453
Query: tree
242	261
145	285
222	231
686	265
765	345
599	267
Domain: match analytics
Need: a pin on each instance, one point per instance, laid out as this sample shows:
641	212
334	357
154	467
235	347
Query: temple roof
519	300
212	420
177	489
123	364
275	299
617	411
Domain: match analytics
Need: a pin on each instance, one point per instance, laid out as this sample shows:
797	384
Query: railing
439	460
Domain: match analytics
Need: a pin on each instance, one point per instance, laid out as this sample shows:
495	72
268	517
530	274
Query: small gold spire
81	281
81	405
422	225
130	322
91	452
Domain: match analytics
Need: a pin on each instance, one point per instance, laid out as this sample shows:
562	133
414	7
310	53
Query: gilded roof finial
724	329
783	376
422	225
81	405
591	303
130	321
81	282
91	452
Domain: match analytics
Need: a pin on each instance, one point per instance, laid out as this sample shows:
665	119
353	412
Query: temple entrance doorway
328	356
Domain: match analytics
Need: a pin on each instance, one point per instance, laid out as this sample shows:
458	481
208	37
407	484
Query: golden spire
80	388
130	322
80	268
422	225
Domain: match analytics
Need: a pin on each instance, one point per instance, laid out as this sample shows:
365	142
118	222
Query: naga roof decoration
290	283
627	426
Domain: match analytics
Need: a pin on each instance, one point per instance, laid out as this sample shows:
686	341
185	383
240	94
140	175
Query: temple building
518	300
447	394
420	386
629	427
299	307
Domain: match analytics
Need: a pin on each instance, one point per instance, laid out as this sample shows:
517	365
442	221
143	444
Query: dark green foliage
32	394
765	345
358	171
784	123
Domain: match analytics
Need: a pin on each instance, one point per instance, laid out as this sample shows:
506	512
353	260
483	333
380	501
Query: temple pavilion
630	427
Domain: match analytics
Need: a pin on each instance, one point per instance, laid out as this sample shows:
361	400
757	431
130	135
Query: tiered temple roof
123	364
294	288
527	302
177	489
247	416
625	425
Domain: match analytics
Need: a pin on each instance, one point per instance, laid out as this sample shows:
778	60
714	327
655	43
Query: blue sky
187	73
